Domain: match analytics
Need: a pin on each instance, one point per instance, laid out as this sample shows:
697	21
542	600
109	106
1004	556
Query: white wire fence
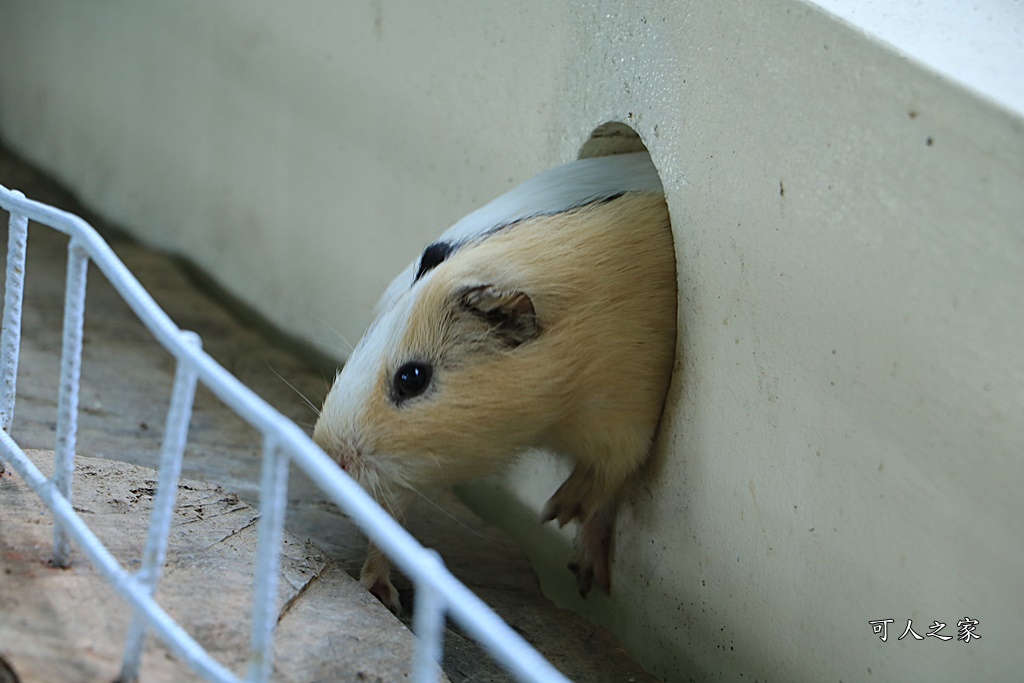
437	593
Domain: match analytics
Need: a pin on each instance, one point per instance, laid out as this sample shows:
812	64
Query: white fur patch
553	191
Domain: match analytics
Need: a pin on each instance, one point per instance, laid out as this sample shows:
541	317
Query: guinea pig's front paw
594	547
563	510
385	591
376	578
574	499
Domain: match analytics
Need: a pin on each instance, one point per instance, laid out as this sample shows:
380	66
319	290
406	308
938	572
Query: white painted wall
844	437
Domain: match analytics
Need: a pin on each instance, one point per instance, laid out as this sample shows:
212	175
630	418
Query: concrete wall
843	441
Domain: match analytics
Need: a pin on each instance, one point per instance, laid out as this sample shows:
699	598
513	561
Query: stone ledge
69	625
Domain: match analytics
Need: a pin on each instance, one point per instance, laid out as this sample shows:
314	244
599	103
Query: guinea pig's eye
411	380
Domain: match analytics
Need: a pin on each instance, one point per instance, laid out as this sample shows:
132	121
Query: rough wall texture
843	437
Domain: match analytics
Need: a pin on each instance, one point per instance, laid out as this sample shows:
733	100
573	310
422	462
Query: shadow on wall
612	138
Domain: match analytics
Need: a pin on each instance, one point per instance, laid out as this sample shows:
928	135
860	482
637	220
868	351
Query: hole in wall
612	138
615	137
658	472
548	549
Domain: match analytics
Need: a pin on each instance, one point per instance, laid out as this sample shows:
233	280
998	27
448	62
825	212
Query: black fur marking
610	198
432	257
438	252
589	201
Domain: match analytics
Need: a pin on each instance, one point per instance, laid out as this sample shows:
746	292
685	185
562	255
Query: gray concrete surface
126	382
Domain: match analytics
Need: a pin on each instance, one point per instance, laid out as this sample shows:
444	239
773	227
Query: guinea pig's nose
339	450
345	455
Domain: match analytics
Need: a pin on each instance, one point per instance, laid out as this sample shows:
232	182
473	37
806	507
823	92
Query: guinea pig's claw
587	572
577	498
596	540
385	591
584	576
549	513
594	562
561	510
376	578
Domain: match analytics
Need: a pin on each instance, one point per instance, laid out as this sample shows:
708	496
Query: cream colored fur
589	386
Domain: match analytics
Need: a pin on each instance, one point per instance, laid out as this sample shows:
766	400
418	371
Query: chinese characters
965	630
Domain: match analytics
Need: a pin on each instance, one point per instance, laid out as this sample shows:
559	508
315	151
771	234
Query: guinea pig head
441	388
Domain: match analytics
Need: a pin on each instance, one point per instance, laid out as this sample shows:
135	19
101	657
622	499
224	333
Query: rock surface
69	625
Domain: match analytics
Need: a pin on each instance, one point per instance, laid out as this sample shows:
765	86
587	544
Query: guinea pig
546	320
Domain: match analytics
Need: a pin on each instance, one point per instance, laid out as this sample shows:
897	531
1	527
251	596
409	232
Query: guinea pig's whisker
384	499
331	347
309	403
448	514
370	481
339	335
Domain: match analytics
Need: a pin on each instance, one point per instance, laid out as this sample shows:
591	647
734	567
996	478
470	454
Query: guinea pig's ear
510	316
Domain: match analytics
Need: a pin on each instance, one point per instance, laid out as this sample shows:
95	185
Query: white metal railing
438	593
